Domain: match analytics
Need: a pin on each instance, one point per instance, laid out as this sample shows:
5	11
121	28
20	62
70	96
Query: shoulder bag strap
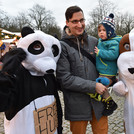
84	52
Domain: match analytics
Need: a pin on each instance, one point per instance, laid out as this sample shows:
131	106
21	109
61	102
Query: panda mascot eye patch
55	50
36	48
126	46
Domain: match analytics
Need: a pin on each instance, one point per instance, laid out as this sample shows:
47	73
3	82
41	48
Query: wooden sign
45	119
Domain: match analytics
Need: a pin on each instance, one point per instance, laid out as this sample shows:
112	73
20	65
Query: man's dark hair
71	10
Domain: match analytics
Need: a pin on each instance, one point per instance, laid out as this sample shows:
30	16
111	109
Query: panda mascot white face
29	90
42	51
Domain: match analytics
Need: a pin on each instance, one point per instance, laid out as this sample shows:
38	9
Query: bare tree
2	17
7	22
123	22
128	22
22	20
37	17
40	17
104	8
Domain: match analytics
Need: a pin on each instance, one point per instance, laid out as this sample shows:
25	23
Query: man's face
76	24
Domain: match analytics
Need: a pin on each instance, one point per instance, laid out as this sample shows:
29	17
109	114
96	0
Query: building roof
8	32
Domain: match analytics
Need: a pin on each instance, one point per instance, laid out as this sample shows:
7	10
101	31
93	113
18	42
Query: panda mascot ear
12	59
124	44
26	30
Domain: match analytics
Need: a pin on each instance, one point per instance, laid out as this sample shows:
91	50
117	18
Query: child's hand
96	50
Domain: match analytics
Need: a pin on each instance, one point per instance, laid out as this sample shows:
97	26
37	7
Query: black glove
12	60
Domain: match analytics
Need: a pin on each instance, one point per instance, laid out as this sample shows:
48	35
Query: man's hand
100	88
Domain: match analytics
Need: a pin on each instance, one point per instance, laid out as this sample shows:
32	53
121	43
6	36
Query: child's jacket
106	58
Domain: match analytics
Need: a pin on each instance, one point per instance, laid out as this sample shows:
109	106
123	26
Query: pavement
115	120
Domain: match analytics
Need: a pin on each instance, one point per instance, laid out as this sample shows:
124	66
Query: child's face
102	32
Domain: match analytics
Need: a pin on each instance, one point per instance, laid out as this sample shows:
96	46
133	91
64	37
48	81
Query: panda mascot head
29	90
42	51
125	61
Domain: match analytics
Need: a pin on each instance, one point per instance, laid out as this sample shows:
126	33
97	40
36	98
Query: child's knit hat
109	24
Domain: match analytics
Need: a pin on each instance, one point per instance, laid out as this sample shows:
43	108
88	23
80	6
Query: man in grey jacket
77	75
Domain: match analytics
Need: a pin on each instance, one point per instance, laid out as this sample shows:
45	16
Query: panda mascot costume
28	87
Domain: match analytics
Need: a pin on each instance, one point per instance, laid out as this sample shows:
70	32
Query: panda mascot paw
120	89
12	60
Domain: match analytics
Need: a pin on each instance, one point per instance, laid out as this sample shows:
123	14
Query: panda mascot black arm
11	63
28	88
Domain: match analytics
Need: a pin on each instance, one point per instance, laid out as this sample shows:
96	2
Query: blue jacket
106	58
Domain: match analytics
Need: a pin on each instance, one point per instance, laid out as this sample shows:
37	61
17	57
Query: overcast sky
58	7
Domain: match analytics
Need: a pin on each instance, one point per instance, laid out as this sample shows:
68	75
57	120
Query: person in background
1	64
107	53
2	48
77	76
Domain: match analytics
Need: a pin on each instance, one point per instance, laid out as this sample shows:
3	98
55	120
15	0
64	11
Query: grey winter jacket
77	78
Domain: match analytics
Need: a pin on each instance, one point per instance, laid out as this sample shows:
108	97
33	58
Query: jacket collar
66	35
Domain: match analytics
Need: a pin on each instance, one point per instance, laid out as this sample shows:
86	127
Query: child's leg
109	103
106	96
106	93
